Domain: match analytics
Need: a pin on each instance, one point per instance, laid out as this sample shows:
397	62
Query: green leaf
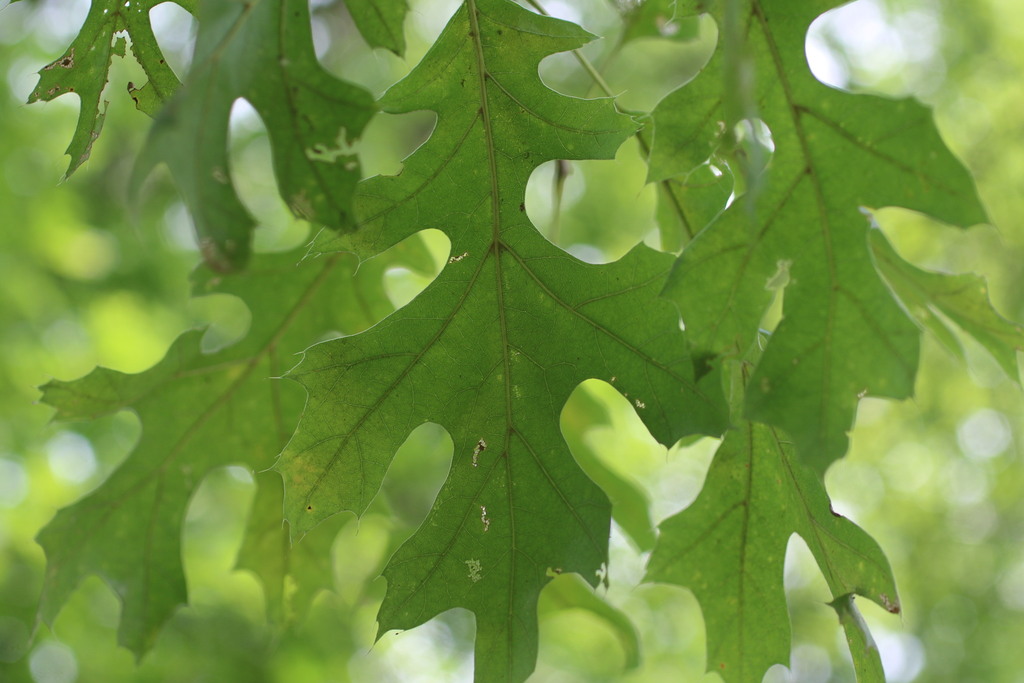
83	69
729	548
630	506
655	19
867	662
493	348
261	51
571	592
291	575
198	411
842	335
381	22
930	297
694	179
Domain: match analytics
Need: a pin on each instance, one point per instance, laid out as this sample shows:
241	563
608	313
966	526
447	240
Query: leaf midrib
495	249
826	227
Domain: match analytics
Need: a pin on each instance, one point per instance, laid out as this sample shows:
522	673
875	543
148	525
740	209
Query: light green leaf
694	183
83	68
261	51
655	19
571	592
930	296
493	348
198	411
381	22
291	575
729	548
867	662
842	335
630	506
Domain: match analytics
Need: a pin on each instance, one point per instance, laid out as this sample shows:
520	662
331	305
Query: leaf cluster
767	180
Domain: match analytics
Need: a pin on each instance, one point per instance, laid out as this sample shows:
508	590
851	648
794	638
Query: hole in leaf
752	152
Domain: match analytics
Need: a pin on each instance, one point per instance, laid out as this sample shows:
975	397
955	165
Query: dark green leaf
261	51
493	348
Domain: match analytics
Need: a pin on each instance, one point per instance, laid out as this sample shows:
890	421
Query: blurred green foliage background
88	277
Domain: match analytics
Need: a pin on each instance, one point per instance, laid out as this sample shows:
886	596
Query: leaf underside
198	411
803	229
381	22
261	51
842	335
729	548
83	68
493	347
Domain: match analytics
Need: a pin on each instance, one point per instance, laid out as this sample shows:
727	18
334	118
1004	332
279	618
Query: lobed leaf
930	297
84	68
492	349
198	411
261	51
292	575
729	548
842	335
